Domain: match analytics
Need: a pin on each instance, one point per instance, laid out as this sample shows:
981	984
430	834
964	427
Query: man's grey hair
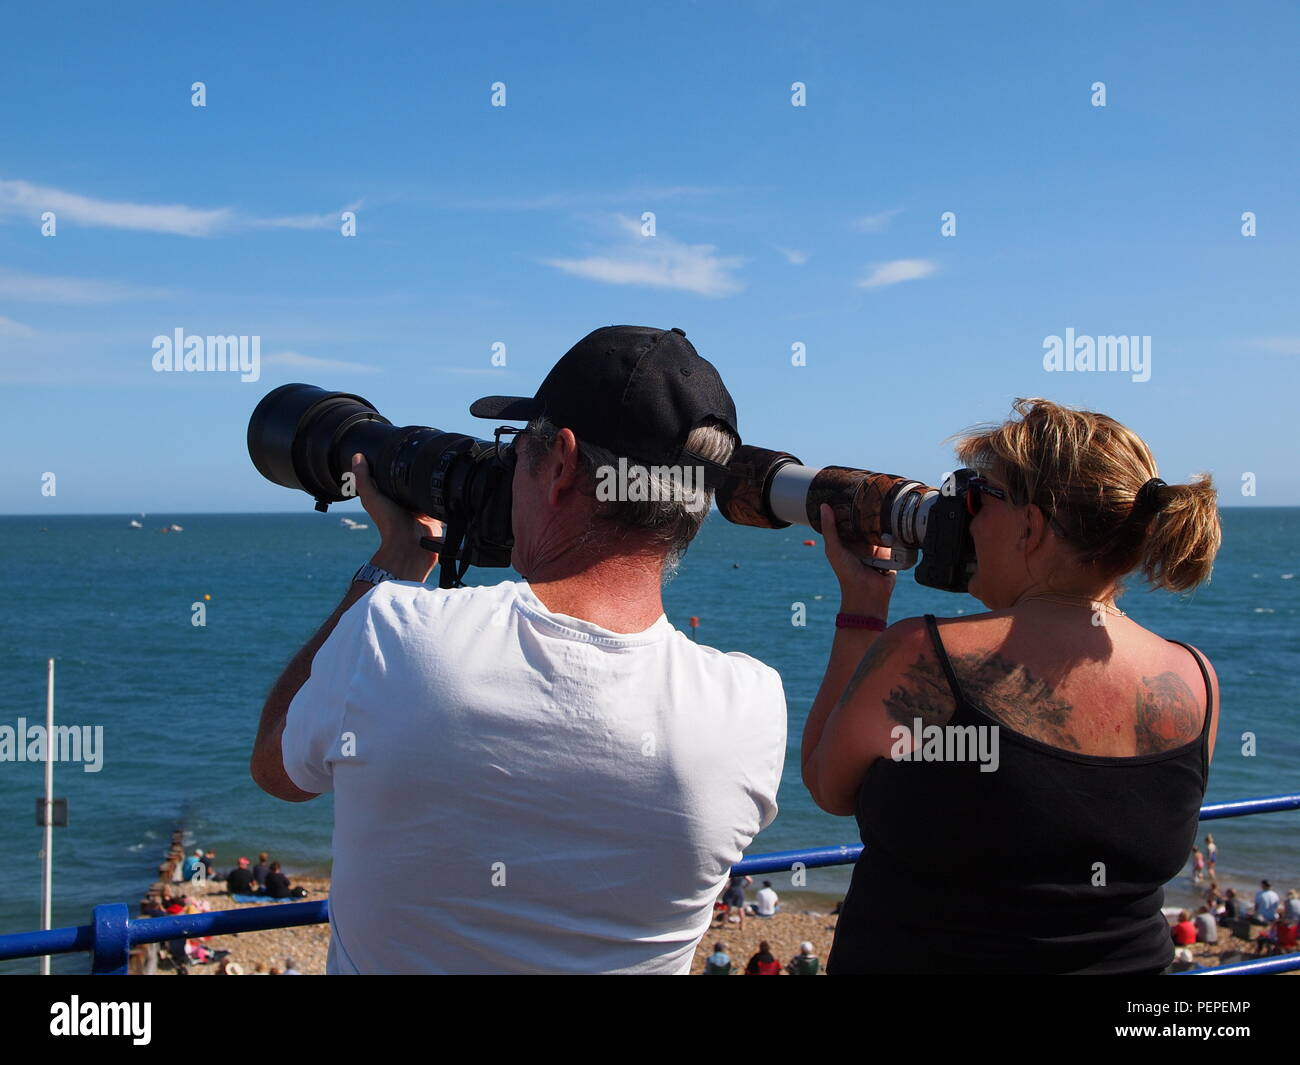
671	516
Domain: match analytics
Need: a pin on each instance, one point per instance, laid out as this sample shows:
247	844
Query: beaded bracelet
860	621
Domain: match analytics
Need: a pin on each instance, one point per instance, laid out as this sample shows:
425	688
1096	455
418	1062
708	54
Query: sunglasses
976	489
505	437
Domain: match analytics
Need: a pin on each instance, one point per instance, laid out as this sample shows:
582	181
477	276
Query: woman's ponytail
1183	536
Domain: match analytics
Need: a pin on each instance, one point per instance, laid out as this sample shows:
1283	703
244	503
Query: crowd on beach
246	882
731	908
1273	922
764	963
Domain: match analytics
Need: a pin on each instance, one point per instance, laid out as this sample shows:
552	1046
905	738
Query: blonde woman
1102	730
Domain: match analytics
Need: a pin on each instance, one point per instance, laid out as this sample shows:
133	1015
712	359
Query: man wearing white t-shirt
768	901
547	774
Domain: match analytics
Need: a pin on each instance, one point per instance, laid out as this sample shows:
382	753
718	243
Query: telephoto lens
304	437
773	490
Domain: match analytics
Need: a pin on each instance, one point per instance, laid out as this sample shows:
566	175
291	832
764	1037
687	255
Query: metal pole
47	855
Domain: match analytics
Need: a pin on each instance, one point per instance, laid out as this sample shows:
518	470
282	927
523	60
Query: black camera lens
304	437
296	433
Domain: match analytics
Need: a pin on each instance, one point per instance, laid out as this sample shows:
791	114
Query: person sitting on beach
261	869
1266	903
1075	744
1286	931
179	958
1183	931
763	963
290	968
1280	938
767	902
240	880
278	887
551	777
175	904
210	866
193	869
1233	910
1207	928
805	963
1293	904
719	962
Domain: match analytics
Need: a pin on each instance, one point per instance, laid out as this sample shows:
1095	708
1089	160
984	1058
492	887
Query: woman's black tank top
1054	863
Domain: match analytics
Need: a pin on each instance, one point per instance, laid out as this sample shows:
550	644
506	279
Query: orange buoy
810	543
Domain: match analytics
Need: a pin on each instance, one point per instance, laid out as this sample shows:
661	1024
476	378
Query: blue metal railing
112	934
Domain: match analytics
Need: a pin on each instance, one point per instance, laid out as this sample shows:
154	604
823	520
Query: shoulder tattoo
1168	714
1009	692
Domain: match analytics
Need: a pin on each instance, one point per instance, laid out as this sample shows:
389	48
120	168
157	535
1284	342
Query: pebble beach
266	953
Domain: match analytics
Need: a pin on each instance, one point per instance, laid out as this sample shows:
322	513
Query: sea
179	702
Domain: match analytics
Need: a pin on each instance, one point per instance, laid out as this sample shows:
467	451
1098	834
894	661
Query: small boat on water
136	525
349	524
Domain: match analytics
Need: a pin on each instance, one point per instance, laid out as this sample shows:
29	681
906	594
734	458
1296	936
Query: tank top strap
1209	690
1209	710
942	655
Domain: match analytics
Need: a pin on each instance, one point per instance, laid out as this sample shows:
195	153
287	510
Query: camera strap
450	574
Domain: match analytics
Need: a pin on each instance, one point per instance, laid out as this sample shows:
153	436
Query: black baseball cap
631	389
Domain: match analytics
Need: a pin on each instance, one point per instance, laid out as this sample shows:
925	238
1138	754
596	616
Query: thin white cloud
23	199
565	201
1279	345
660	261
29	288
327	220
312	362
10	328
891	273
793	256
876	223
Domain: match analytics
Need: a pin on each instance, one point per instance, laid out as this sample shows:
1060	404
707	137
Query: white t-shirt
1266	904
522	791
766	902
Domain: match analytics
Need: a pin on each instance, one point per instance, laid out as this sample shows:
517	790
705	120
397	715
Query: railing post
112	944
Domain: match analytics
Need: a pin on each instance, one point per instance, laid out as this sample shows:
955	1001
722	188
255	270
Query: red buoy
810	543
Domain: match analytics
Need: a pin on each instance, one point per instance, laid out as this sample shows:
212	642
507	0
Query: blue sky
775	224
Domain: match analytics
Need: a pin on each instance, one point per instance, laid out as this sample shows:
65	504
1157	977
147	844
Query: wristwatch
372	574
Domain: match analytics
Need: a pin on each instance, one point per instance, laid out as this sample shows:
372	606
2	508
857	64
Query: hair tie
1148	499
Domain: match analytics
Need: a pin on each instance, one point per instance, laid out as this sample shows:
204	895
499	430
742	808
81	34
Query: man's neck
622	594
